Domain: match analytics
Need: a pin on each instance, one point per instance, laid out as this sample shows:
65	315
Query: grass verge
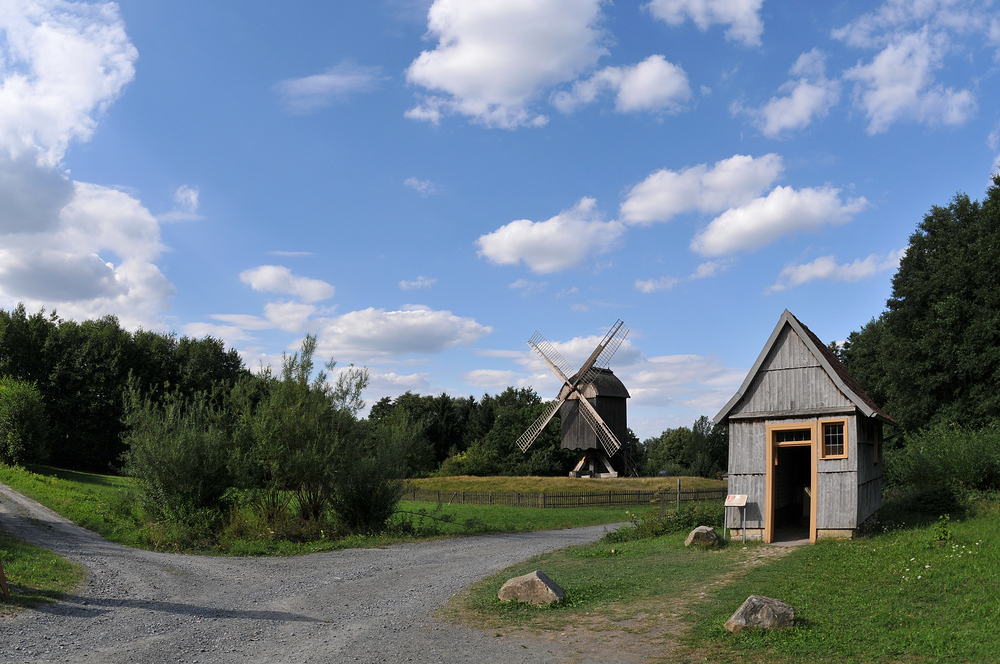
924	594
34	575
105	505
561	484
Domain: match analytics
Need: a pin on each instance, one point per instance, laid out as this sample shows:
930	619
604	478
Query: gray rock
535	587
763	612
702	536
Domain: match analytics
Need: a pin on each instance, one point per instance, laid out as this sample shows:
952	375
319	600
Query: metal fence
611	498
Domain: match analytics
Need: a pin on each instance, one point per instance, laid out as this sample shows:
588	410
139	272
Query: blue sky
424	184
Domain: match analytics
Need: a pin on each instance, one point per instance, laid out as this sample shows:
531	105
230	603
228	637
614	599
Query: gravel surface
358	605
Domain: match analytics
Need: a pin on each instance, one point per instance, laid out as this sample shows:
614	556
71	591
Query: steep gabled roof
835	370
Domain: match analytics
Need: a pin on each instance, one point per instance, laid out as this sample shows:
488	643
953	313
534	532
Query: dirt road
359	605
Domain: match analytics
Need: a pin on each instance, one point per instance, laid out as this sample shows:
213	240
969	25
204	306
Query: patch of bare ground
643	630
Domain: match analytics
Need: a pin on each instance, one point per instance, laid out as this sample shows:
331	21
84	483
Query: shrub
950	454
23	424
178	453
656	523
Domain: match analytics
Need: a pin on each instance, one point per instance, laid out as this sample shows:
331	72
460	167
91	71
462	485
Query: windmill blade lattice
529	436
588	372
608	440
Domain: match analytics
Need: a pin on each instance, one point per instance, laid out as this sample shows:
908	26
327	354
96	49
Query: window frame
821	438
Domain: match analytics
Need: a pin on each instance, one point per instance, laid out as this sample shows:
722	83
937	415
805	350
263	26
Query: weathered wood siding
747	447
790	379
869	467
577	434
752	486
837	504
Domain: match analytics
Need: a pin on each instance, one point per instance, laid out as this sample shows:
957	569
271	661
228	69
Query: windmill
594	382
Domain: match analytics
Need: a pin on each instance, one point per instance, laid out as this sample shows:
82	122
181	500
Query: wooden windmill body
591	403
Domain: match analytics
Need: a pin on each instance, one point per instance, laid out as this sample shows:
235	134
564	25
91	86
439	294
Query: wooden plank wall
790	378
752	486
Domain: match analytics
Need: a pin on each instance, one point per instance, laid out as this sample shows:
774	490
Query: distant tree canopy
82	371
934	354
702	450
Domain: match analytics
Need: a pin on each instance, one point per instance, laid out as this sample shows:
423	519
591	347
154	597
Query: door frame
771	447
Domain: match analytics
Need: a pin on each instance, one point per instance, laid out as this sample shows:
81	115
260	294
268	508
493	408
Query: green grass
560	484
34	575
616	581
916	593
104	504
904	595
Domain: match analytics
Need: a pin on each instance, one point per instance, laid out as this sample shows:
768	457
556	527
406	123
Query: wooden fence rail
587	499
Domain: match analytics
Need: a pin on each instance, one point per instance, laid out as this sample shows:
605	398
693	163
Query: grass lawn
34	575
102	503
561	484
926	593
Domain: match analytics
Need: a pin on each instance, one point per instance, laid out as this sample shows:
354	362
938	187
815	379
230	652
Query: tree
934	353
23	423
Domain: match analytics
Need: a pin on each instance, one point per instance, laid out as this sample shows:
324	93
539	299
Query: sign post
740	501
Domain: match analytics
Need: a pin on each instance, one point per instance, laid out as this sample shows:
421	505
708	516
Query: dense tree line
82	372
702	450
933	355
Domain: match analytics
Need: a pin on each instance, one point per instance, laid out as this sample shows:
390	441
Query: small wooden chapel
805	442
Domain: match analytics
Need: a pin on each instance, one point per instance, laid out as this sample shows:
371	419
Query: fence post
678	493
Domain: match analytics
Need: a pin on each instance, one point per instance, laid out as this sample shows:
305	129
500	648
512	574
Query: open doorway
792	493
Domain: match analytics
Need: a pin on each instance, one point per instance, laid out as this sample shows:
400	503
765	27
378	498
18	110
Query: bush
656	523
178	453
949	454
23	424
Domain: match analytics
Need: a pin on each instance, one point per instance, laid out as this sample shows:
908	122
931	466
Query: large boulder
702	536
535	587
763	612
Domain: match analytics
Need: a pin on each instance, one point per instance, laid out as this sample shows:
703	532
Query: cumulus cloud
186	205
81	248
491	378
279	279
806	98
377	332
566	240
653	85
423	187
695	381
494	59
710	269
307	94
419	282
826	267
728	183
742	16
782	212
899	84
653	285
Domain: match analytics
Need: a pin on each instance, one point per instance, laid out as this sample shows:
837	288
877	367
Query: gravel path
364	605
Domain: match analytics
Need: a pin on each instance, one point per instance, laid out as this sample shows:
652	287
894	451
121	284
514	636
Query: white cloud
729	182
376	332
527	287
742	16
493	59
652	85
782	212
61	64
244	321
231	334
710	269
693	380
494	378
419	282
653	285
390	383
423	187
808	97
289	316
899	84
826	267
311	93
562	242
80	248
278	279
186	201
